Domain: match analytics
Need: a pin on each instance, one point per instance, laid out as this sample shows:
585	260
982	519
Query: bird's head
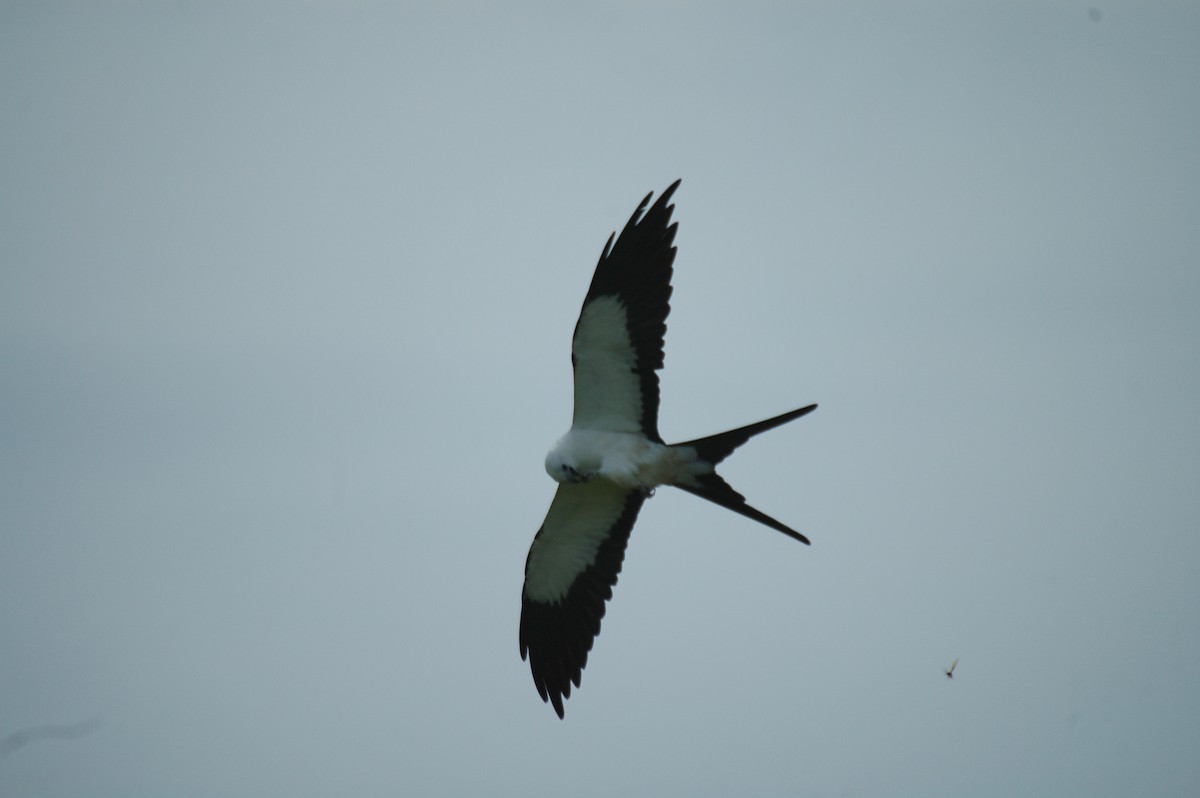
561	468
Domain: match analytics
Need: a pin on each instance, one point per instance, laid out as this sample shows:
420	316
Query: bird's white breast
628	459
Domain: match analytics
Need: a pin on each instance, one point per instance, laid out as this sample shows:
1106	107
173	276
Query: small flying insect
953	665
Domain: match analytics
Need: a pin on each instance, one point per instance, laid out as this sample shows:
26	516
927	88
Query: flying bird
612	458
953	665
49	731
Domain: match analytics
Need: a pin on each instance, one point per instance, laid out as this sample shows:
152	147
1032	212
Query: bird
950	671
612	457
50	731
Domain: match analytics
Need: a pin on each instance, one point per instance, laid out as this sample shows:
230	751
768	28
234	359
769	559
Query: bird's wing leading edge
569	575
618	342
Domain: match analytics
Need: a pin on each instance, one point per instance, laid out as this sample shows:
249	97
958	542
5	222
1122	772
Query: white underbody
627	459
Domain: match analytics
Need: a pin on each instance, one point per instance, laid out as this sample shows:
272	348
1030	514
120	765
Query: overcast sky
286	296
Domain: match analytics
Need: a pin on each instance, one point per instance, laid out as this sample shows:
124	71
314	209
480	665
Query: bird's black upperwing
569	575
618	341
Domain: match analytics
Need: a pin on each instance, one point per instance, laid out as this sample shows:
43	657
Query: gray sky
285	308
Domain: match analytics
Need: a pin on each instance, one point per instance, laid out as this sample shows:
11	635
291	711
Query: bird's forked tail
716	448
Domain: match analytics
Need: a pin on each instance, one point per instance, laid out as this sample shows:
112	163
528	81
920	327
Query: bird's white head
555	466
559	467
563	463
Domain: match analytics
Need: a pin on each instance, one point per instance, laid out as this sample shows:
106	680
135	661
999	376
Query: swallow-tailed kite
612	458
